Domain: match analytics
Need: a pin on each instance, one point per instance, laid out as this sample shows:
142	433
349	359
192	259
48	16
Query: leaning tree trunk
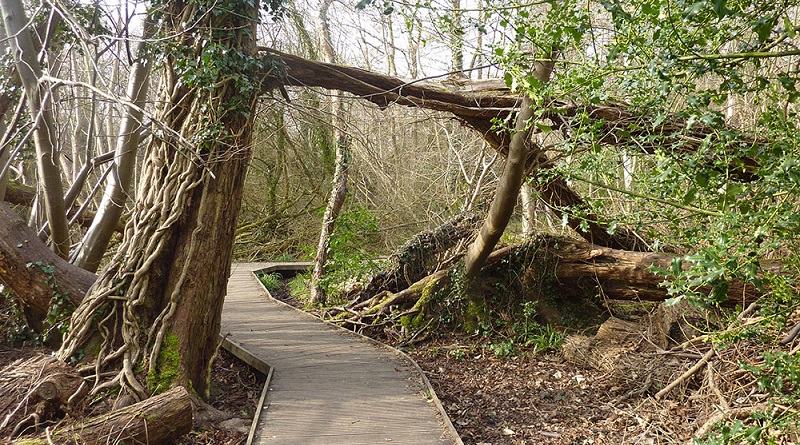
519	150
44	134
154	314
339	189
91	249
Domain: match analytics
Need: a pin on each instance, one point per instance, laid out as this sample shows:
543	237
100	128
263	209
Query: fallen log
158	420
478	105
24	195
568	269
34	274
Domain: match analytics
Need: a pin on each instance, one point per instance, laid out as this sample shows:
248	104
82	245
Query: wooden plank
328	386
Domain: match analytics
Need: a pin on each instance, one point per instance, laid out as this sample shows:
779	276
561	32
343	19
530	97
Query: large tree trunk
339	188
93	246
34	273
157	305
44	135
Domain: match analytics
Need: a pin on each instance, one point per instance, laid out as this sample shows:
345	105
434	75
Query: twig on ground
734	413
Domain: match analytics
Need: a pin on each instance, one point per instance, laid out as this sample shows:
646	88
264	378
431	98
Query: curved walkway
328	385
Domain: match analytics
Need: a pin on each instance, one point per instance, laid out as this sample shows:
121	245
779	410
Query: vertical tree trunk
91	249
44	136
457	37
339	189
157	305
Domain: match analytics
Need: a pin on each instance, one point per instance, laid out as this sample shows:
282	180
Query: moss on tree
166	371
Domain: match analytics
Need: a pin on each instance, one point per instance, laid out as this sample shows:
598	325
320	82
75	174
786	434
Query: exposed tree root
424	254
564	267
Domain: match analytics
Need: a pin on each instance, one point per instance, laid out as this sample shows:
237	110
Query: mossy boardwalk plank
328	386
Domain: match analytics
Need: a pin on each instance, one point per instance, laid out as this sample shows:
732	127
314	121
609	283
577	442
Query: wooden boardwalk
328	386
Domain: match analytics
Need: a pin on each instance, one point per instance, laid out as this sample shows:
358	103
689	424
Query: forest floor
529	398
524	398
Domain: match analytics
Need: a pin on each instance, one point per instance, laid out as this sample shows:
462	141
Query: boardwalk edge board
301	266
261	402
259	365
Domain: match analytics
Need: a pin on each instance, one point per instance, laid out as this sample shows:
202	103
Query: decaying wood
19	194
621	351
33	273
155	421
37	392
23	195
424	254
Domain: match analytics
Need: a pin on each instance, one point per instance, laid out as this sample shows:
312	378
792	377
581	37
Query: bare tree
44	131
91	249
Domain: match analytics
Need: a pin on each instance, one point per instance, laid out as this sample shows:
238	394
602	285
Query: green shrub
271	281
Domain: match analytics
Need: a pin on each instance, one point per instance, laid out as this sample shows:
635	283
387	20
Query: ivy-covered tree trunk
339	187
153	316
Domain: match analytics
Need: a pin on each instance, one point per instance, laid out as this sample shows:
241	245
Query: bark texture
158	303
505	196
34	273
44	135
520	149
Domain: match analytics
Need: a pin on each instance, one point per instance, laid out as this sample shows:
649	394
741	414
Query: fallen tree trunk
160	419
477	105
585	270
480	103
23	195
33	273
562	267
